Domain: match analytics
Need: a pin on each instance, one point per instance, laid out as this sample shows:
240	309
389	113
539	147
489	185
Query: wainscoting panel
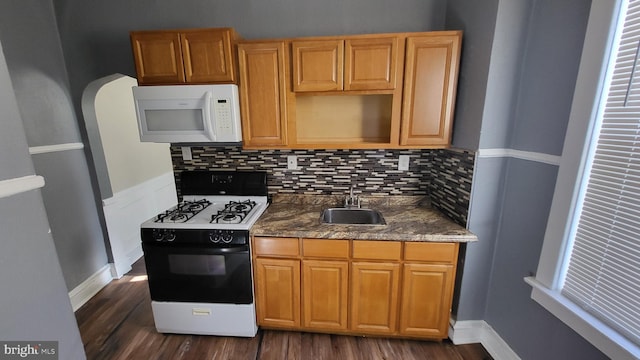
127	209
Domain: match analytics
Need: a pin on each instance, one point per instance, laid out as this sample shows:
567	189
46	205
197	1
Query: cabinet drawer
276	246
325	248
424	251
383	250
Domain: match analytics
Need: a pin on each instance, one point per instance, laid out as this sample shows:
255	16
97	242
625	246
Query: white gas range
197	254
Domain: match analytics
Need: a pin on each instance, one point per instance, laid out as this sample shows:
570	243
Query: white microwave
188	113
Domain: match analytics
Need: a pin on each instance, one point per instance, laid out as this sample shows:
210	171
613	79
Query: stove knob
170	235
227	238
158	235
213	237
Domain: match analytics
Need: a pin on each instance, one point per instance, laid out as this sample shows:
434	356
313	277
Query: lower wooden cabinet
426	299
374	297
277	292
325	290
355	287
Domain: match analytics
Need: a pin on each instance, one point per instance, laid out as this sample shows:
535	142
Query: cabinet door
157	56
426	299
374	297
208	56
430	80
277	285
325	294
318	65
371	64
263	94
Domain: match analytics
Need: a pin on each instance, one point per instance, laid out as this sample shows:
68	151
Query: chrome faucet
351	201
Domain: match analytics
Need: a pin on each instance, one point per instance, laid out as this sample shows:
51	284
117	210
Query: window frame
601	36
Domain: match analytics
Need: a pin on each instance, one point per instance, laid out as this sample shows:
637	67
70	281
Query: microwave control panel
224	120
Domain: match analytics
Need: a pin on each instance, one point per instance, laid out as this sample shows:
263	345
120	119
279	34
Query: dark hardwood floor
118	324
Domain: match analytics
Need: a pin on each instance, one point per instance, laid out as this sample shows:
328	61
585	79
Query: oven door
197	273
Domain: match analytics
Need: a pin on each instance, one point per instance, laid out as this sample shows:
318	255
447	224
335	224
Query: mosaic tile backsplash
450	182
333	172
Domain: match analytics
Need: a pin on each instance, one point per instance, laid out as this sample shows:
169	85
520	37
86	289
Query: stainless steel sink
352	216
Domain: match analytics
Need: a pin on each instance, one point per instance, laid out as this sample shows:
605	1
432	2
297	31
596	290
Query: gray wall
36	65
95	35
534	61
528	328
548	77
35	304
477	19
553	44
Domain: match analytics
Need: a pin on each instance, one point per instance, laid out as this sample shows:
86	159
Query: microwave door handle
208	124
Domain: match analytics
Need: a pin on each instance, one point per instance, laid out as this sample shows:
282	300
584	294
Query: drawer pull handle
200	312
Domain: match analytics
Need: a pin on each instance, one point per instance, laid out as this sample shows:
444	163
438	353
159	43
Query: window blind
603	272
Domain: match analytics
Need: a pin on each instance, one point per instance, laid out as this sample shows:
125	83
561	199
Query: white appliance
188	113
197	255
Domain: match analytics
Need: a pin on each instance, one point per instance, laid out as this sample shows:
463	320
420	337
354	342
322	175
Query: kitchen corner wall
444	175
450	182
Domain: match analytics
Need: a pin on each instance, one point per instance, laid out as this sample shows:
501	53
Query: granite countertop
408	218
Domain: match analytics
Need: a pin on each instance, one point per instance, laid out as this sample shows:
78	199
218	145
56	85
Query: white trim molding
55	148
19	185
519	154
88	288
478	331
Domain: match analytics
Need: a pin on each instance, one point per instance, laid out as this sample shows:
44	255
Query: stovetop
220	200
211	212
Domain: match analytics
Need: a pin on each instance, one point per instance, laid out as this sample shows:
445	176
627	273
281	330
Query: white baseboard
119	268
135	253
478	331
88	288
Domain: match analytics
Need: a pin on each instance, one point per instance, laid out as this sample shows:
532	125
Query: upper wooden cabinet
195	56
371	63
263	94
430	80
158	57
374	91
353	63
317	65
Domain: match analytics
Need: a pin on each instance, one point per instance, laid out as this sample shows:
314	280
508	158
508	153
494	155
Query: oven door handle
229	250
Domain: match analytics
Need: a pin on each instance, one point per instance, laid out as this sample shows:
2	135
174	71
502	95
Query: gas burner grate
183	211
234	212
